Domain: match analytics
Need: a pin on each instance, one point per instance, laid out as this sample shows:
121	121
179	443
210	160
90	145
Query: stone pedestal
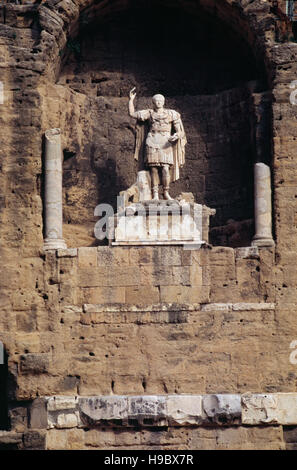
160	223
263	217
53	191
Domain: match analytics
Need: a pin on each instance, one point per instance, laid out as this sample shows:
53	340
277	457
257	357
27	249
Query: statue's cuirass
161	123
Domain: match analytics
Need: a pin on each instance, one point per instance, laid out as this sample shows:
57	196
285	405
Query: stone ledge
66	253
248	252
166	307
155	313
64	412
10	437
269	408
97	308
240	306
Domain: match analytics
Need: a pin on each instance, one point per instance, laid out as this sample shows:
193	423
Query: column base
262	242
54	244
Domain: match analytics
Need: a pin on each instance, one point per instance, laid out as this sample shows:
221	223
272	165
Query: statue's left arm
178	127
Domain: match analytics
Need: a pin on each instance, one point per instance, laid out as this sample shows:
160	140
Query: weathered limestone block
279	408
104	295
254	438
108	276
222	409
248	279
186	276
116	256
36	363
67	253
140	318
148	409
61	403
56	439
67	420
71	309
243	306
216	307
62	412
87	257
142	295
250	252
75	439
184	410
38	414
68	293
222	274
184	294
95	410
196	275
89	308
157	276
221	256
9	438
35	440
143	254
18	418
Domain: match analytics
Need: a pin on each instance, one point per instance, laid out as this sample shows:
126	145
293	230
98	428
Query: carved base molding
64	412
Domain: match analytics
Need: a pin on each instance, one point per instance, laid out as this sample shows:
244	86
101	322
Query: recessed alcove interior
205	70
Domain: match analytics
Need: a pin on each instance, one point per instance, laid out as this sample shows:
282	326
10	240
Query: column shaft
263	216
53	191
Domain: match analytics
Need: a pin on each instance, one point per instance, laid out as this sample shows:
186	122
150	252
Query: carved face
158	101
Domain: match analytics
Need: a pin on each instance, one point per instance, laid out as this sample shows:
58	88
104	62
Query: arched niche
211	70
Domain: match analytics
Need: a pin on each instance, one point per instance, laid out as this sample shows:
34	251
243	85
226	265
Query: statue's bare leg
155	182
166	181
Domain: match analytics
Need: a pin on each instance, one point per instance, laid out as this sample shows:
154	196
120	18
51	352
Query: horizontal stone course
156	313
87	308
274	408
171	410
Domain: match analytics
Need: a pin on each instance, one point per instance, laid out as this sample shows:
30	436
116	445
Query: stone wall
156	422
103	321
149	320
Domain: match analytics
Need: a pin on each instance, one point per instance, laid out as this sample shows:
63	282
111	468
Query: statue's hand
173	138
132	93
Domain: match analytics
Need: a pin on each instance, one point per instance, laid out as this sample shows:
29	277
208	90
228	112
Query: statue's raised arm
132	95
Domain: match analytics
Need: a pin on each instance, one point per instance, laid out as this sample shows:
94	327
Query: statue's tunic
158	149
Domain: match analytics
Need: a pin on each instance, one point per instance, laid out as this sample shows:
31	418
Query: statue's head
158	101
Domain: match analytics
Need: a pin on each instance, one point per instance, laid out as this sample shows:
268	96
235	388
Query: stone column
263	216
53	191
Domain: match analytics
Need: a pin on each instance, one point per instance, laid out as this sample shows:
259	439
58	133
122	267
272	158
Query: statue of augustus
160	142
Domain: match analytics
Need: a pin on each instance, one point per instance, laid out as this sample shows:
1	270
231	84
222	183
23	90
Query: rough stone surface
223	409
272	409
70	65
97	409
184	410
38	414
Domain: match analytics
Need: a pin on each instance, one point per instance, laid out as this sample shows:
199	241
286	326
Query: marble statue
160	142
